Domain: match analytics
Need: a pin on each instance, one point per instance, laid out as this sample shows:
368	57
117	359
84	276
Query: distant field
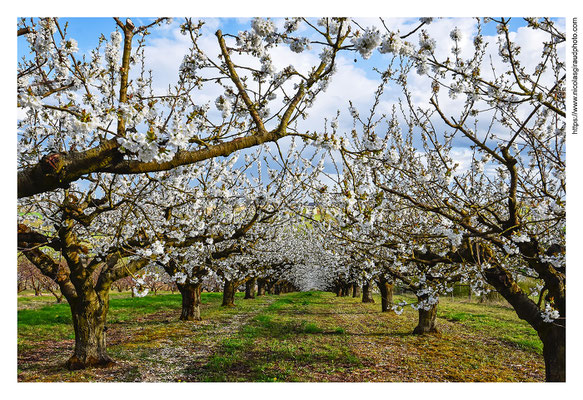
309	336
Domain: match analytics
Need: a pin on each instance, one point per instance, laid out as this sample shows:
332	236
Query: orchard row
455	172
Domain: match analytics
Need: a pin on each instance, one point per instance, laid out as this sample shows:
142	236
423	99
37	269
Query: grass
310	336
493	320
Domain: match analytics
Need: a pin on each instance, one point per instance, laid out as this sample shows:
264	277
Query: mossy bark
426	322
87	293
89	316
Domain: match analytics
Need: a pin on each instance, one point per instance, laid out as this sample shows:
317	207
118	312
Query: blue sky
355	81
86	30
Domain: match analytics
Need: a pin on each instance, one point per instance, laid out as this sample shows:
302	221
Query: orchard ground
305	336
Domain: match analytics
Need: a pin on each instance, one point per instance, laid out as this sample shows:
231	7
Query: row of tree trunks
279	286
283	287
343	289
263	285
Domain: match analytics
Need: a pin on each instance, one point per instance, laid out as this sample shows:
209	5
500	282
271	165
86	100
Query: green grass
54	320
310	327
498	320
277	345
310	336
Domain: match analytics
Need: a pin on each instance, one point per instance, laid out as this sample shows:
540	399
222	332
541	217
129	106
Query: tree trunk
250	288
228	294
553	338
37	290
367	293
269	287
89	316
346	289
57	293
426	320
386	290
260	287
87	299
190	301
551	334
355	290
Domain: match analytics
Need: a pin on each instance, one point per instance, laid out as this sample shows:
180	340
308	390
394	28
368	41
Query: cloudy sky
355	81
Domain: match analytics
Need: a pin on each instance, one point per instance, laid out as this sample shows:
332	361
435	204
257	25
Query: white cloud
352	81
463	156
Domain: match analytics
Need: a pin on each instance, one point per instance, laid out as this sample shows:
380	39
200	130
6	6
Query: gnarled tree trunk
190	301
88	298
367	293
228	294
426	322
552	334
89	315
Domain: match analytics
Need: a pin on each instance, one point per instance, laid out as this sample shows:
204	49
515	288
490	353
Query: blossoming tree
504	213
94	114
94	133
